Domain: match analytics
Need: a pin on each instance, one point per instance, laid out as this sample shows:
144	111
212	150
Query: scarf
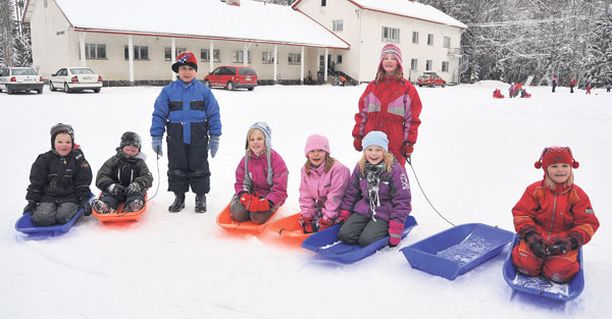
373	174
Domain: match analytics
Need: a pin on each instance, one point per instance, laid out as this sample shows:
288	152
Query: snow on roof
251	21
411	9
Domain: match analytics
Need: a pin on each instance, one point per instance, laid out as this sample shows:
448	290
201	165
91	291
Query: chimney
233	2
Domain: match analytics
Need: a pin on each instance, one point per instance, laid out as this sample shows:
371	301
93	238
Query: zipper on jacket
552	220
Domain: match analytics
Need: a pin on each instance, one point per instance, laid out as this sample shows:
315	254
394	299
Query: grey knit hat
61	128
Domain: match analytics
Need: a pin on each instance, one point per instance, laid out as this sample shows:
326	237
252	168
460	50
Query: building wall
51	37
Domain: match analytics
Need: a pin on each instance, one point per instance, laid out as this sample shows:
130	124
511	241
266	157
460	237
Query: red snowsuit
393	107
555	215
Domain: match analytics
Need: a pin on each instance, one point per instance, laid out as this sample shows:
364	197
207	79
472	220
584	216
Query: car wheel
207	84
96	90
251	89
39	91
230	86
51	87
443	84
420	85
66	88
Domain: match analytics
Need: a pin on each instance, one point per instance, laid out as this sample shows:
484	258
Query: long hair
329	162
550	184
387	159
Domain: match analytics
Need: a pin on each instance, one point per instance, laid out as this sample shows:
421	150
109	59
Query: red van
232	77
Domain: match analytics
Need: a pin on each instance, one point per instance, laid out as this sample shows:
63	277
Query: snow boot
200	203
133	206
101	207
178	204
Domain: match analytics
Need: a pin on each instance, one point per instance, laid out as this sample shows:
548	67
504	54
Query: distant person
59	181
189	112
588	87
511	90
497	94
525	94
555	82
124	177
390	104
608	87
553	218
572	84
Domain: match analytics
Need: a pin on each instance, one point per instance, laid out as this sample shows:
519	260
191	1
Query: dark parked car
432	79
232	77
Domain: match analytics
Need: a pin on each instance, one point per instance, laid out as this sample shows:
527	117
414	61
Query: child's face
389	63
130	150
62	144
559	173
187	73
374	154
257	142
317	157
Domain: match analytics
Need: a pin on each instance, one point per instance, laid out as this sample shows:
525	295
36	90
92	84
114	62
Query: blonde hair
329	162
250	131
387	159
550	184
398	74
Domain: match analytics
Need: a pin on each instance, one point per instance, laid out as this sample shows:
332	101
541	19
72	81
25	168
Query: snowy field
474	158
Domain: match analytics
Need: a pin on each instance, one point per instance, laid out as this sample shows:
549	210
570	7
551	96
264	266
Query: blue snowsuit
190	113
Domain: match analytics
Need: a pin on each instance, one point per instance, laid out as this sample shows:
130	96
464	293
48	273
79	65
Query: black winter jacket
124	170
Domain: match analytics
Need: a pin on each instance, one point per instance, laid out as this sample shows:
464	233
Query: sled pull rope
158	181
409	160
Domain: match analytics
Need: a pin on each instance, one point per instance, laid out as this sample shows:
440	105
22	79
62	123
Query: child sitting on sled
553	218
525	94
261	178
323	182
124	177
497	94
378	196
59	181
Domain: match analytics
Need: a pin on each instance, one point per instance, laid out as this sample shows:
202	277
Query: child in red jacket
554	218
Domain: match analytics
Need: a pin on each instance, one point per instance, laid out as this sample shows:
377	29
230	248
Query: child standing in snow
124	177
261	178
588	87
323	182
378	196
59	181
554	218
390	104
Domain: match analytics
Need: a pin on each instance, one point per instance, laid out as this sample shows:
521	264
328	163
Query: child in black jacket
59	181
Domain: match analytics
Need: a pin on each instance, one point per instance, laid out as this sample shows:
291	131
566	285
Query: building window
323	3
294	58
428	65
429	39
414	64
168	52
390	34
239	56
95	51
415	37
444	66
140	52
337	25
446	42
339	59
267	57
205	55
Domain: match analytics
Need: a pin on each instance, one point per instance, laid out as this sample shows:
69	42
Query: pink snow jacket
323	190
258	172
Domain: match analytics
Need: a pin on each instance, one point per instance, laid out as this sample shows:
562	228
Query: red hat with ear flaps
554	155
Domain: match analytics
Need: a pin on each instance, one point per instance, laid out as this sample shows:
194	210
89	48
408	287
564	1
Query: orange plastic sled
225	221
120	215
289	229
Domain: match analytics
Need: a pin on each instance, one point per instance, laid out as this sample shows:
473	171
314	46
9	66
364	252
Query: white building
137	41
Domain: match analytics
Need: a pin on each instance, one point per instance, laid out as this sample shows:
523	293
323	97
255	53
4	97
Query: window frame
390	34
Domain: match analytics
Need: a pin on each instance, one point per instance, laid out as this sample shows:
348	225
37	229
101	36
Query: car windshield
246	71
23	72
82	71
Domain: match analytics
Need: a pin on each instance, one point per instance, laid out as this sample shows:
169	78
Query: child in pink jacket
324	180
261	178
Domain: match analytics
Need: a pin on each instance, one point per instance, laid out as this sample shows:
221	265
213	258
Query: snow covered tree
7	26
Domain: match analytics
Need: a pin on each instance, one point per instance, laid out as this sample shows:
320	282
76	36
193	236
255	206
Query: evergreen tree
7	26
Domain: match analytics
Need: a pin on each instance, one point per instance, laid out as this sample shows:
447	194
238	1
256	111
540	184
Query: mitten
157	145
306	222
562	246
407	150
245	199
116	189
343	216
86	207
30	206
395	232
134	188
536	244
259	205
326	222
213	145
357	144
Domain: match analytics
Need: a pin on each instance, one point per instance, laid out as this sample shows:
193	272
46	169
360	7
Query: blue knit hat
377	138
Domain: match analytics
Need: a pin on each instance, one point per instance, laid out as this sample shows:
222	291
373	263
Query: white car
15	79
75	79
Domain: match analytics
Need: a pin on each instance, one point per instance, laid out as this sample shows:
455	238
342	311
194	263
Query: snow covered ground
474	157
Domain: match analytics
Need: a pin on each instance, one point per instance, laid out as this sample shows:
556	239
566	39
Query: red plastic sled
120	215
225	221
289	229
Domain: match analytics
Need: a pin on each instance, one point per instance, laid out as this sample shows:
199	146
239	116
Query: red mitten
343	216
357	144
395	232
408	149
246	199
259	205
326	222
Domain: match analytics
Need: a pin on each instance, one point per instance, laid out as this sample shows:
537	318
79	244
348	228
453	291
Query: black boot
200	203
178	204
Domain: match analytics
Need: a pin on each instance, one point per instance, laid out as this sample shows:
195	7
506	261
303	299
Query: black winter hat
130	138
61	128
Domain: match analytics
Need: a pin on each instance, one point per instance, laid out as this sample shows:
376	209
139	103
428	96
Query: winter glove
407	150
357	144
343	216
134	189
30	207
86	207
246	199
306	223
213	145
395	232
536	244
259	205
157	145
116	189
326	222
562	246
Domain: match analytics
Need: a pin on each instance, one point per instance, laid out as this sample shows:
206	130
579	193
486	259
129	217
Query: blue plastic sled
325	243
457	250
24	224
541	286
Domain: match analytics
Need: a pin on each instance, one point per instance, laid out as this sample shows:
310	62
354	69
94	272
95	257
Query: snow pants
560	268
239	213
362	230
48	214
113	201
188	166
